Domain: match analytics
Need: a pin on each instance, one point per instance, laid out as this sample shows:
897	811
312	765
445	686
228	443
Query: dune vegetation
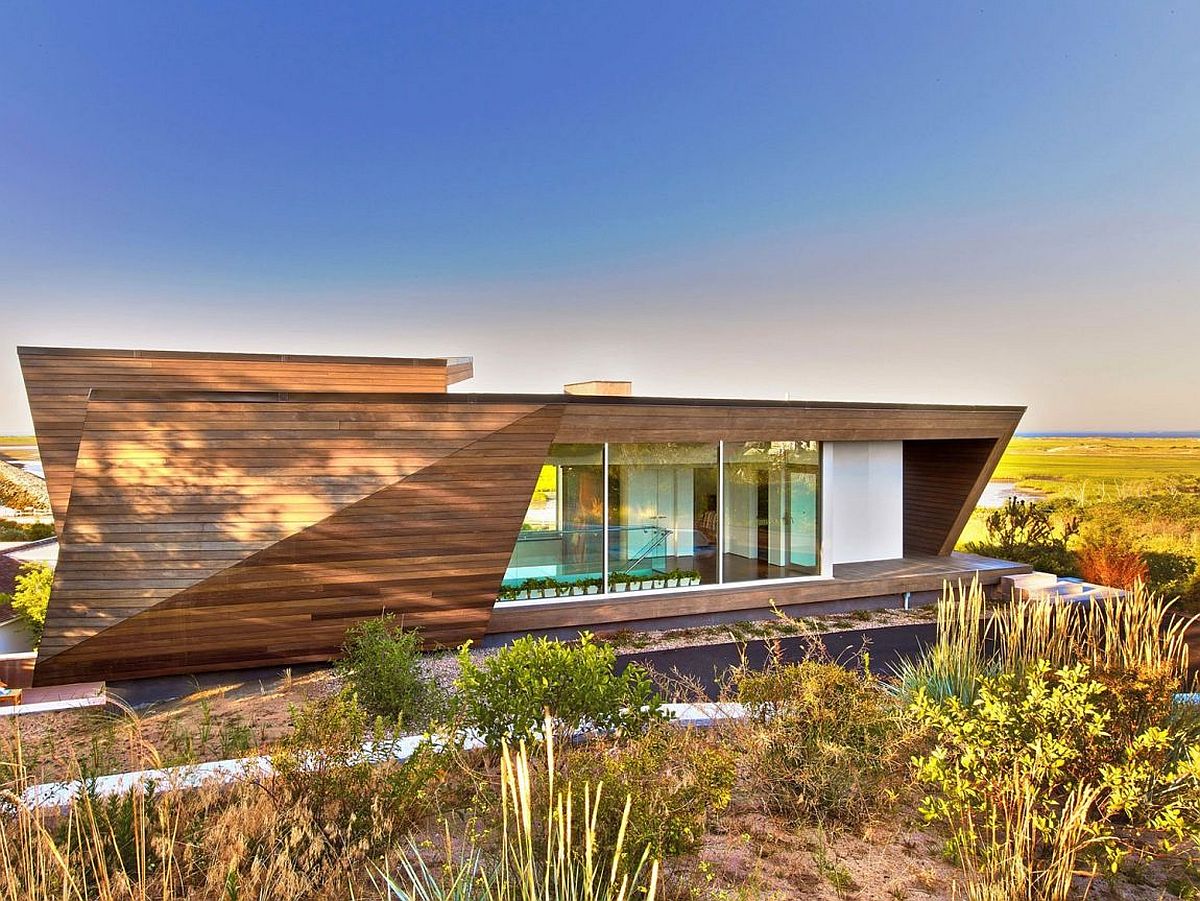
1111	510
1036	751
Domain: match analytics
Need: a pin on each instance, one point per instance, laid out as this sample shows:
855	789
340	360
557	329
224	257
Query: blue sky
927	201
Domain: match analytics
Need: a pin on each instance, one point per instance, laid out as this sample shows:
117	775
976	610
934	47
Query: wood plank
58	382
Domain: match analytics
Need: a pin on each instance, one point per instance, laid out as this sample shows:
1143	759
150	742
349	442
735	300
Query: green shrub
11	530
508	697
32	595
829	740
677	780
1032	533
1171	575
1051	766
382	666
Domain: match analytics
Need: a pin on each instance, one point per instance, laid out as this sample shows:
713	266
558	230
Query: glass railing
638	550
569	562
567	555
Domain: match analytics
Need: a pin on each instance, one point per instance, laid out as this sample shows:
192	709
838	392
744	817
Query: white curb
192	776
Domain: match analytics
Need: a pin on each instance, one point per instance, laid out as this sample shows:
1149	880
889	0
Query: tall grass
958	658
309	835
1015	855
544	854
1134	631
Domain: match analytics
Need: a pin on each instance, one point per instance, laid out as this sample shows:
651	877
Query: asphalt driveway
704	665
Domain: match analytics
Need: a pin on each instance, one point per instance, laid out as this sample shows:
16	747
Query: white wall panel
864	500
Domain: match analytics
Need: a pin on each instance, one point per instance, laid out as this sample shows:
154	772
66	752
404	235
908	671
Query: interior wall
864	500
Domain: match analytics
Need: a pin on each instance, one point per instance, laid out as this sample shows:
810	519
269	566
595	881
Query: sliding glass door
636	517
771	510
662	511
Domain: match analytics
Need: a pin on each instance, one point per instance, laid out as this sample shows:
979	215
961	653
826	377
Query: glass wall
663	519
562	537
677	515
771	510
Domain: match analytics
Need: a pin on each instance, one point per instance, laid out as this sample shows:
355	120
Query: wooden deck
851	581
953	567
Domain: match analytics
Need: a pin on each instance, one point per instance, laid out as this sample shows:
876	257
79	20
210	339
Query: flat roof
223	355
365	397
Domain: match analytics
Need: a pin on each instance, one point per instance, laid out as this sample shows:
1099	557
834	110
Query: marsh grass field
1142	492
18	448
1084	467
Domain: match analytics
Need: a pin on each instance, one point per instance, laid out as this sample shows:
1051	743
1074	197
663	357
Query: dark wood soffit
976	491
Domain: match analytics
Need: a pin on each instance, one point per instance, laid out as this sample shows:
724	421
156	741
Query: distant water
1108	434
997	493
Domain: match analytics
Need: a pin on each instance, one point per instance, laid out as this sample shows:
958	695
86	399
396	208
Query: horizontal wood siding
59	380
211	530
942	482
186	554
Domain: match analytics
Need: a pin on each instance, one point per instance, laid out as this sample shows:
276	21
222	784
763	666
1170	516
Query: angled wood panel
195	593
942	484
58	381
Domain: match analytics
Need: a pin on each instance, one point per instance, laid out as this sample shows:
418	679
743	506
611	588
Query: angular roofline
221	355
103	394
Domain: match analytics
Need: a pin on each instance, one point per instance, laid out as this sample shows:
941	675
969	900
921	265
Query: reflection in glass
771	503
562	537
662	514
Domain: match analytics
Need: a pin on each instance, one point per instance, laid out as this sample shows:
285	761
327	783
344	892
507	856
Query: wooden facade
208	529
58	381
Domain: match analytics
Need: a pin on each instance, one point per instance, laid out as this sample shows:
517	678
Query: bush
32	595
1032	533
1110	560
11	530
677	779
1171	575
382	666
828	742
1051	766
326	770
509	696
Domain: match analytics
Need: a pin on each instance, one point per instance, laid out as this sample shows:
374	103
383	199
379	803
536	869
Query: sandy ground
756	857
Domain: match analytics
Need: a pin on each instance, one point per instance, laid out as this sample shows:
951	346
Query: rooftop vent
610	389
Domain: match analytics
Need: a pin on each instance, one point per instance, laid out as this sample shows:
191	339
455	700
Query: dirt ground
235	717
757	858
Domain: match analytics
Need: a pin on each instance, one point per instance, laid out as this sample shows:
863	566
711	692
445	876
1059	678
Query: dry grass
1135	632
304	834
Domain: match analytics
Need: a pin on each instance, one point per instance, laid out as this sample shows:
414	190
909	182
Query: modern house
224	511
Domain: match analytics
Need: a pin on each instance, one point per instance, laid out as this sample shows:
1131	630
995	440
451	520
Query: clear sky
924	201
